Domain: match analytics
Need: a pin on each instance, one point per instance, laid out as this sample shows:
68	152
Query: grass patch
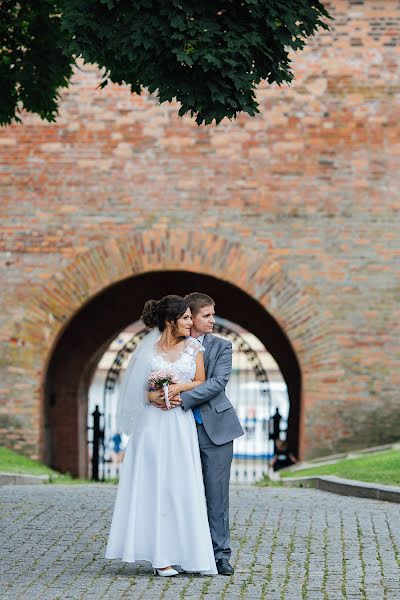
362	561
12	462
304	587
344	559
267	482
268	573
380	467
379	559
289	551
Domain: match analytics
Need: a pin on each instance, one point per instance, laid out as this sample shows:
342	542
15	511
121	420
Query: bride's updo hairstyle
157	312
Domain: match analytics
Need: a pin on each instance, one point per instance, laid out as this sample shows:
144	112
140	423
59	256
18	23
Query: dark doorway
87	335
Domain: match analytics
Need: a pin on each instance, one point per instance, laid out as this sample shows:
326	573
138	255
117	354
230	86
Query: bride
160	512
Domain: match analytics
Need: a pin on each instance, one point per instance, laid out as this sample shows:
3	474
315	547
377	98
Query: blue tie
197	415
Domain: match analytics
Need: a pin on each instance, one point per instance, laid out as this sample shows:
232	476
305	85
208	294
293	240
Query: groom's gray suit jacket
219	418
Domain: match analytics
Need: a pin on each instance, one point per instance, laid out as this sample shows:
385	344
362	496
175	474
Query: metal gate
249	390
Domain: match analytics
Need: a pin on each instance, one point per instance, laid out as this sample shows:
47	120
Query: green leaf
209	60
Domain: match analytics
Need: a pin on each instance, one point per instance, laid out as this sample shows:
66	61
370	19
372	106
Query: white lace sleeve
193	347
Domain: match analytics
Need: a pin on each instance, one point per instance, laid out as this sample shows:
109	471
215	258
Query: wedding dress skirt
160	513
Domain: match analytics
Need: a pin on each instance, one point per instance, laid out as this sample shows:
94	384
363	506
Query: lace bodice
183	364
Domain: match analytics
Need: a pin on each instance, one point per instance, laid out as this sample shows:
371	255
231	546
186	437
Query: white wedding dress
160	513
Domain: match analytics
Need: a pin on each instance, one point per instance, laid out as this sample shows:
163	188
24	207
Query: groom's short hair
196	301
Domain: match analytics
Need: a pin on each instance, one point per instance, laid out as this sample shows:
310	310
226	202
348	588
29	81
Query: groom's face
203	321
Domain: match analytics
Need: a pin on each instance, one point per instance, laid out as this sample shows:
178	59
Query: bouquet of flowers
159	380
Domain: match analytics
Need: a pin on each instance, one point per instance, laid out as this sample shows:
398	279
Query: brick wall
307	189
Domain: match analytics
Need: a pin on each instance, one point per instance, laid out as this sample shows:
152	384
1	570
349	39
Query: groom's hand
174	404
155	399
173	390
176	401
174	395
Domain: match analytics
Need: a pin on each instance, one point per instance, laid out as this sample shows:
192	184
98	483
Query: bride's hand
156	397
160	406
156	400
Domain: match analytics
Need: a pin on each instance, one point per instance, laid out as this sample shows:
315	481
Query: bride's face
183	324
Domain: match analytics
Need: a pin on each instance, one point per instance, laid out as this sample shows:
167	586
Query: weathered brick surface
299	207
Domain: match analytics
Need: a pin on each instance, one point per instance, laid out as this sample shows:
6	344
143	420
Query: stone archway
105	278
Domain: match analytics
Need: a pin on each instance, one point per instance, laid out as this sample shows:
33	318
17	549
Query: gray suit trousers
216	462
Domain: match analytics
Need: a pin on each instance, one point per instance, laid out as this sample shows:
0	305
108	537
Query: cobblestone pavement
288	544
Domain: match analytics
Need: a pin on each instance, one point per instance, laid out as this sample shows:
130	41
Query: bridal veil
132	397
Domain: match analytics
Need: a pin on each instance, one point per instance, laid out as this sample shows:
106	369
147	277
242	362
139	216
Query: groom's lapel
207	343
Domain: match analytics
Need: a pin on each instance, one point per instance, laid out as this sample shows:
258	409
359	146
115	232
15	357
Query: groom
217	424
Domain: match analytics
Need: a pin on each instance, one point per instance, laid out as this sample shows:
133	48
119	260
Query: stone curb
22	479
346	487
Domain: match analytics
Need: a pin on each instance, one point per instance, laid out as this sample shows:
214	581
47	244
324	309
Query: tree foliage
209	55
35	61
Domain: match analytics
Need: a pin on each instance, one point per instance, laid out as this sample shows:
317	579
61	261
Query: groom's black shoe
223	567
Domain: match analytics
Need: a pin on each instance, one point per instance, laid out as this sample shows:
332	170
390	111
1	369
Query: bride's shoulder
193	346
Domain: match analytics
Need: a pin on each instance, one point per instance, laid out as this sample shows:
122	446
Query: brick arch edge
48	309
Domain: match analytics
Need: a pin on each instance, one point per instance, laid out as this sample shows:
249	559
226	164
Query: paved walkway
288	544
